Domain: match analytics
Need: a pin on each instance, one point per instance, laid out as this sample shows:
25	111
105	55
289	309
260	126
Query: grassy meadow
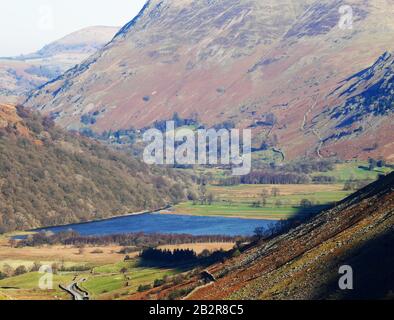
353	171
25	286
240	201
124	278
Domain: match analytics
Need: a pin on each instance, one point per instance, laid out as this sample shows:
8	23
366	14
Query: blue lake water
166	224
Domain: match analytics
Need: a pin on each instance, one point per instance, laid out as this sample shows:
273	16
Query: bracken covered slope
304	263
50	177
236	60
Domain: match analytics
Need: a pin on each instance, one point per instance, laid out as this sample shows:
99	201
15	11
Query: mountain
85	41
50	177
237	61
304	263
364	108
19	75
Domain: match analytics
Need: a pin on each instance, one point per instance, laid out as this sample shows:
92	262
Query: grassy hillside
108	282
49	177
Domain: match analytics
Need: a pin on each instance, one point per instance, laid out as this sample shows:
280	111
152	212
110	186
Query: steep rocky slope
363	108
19	75
237	60
304	263
50	177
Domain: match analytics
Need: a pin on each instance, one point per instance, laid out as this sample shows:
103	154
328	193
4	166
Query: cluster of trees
373	164
8	271
169	257
178	120
272	177
51	177
137	241
120	136
275	193
89	118
296	172
265	195
324	179
307	166
202	197
266	177
183	256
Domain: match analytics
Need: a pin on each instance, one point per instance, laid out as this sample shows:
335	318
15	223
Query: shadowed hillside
50	177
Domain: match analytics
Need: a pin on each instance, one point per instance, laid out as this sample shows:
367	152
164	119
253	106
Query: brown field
71	256
35	295
27	256
200	247
252	192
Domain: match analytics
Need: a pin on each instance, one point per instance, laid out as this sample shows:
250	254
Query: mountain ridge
239	62
19	75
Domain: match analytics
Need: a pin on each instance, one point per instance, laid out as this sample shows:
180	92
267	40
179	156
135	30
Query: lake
166	224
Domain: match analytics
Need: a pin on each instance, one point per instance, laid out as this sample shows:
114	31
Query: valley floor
104	273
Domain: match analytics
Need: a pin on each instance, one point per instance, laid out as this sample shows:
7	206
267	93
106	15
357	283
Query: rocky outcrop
369	94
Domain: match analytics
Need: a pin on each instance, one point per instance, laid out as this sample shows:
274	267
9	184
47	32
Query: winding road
77	293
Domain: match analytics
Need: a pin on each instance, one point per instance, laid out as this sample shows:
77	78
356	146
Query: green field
354	170
27	286
237	210
108	282
104	282
97	285
115	268
237	201
245	211
31	280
